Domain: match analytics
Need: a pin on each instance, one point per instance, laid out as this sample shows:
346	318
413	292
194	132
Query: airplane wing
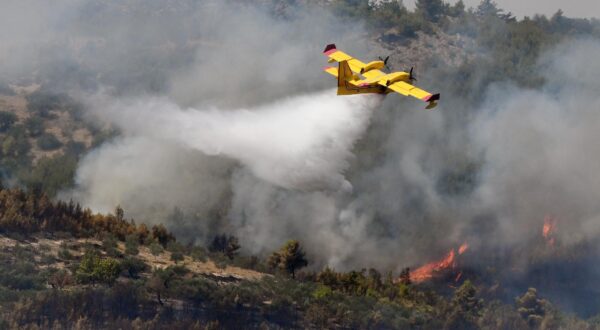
407	89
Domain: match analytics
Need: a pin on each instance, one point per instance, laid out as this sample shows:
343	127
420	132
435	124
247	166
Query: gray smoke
225	114
540	147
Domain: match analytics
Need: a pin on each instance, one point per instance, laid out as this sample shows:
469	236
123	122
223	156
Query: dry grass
163	260
16	104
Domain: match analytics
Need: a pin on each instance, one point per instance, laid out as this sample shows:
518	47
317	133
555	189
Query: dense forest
66	266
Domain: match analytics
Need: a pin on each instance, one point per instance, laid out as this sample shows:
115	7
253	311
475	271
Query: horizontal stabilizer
330	49
331	70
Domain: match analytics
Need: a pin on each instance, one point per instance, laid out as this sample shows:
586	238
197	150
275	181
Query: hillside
195	122
43	135
102	271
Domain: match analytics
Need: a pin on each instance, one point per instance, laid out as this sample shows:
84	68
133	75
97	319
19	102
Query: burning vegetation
435	268
549	230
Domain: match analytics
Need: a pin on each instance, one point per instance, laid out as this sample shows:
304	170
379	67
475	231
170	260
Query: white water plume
302	142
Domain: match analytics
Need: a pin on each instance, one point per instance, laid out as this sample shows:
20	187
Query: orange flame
463	248
427	271
457	278
548	229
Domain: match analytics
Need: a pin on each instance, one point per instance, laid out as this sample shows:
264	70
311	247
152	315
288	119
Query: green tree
465	308
107	270
458	9
162	235
176	251
156	249
531	308
289	258
228	245
489	8
119	213
159	283
388	14
431	10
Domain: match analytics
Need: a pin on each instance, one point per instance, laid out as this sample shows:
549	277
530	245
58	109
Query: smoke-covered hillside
215	117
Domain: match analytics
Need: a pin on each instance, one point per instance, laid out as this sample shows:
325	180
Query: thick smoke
225	114
540	148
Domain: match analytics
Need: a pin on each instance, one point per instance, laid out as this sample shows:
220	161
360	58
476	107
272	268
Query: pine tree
289	258
531	308
156	249
431	10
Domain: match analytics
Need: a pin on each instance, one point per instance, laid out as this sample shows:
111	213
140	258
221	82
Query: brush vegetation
62	265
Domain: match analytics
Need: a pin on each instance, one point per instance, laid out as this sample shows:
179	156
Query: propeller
385	60
411	76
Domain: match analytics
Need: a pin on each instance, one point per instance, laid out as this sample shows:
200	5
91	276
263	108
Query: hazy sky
520	8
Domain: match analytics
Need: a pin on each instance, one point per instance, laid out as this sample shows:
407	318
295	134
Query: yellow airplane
375	80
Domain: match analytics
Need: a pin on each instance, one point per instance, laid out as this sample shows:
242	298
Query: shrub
65	254
131	245
228	245
199	254
93	269
133	266
322	291
156	249
48	141
60	279
20	276
176	256
7	119
35	126
174	247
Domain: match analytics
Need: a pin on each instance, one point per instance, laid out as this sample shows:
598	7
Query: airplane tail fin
344	74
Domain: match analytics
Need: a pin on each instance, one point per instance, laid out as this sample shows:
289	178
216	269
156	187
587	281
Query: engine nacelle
397	76
374	65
